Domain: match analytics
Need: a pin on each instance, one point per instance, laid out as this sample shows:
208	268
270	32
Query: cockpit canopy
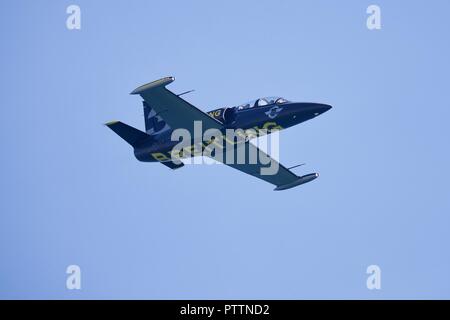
262	102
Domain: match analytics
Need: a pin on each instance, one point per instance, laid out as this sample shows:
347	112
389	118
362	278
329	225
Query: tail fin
131	135
154	123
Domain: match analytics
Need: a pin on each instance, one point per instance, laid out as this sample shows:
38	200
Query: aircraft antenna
189	91
298	165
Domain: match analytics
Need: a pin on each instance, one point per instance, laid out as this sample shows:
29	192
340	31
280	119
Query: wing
272	172
178	113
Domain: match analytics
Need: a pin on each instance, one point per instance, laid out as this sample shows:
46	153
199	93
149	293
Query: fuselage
261	116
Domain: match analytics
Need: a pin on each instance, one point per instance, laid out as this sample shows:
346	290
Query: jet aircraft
165	111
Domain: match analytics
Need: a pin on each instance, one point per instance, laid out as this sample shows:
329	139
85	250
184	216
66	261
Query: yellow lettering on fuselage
192	151
271	126
160	156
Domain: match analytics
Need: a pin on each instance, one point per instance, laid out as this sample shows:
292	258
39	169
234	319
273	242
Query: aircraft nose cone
321	108
309	109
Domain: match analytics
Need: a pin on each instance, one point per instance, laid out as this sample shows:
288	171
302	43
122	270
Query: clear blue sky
73	193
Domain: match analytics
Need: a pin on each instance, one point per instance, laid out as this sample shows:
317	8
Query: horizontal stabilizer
131	135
